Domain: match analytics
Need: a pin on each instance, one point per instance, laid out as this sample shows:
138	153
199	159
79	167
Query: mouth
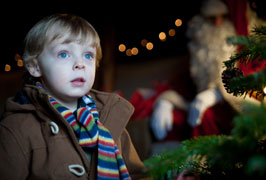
78	82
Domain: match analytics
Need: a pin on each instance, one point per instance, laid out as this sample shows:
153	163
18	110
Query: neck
68	102
71	105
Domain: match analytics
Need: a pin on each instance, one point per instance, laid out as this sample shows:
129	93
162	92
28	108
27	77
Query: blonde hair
75	26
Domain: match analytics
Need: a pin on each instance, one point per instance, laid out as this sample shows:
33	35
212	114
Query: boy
52	129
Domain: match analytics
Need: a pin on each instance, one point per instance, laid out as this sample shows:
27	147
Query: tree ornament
227	76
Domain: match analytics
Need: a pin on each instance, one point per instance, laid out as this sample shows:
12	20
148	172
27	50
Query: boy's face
67	70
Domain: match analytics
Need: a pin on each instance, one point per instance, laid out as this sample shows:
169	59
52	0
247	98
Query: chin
78	94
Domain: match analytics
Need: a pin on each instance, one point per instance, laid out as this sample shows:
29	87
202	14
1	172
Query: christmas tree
253	48
242	155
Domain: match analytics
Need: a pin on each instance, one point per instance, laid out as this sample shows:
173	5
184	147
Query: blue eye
63	55
88	56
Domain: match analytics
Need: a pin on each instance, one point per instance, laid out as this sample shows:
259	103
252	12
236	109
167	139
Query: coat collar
114	111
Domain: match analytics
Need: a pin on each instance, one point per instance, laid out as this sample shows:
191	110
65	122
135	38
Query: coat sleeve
134	165
12	159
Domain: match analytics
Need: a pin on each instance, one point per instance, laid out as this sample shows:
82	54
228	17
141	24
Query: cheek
60	81
90	76
57	76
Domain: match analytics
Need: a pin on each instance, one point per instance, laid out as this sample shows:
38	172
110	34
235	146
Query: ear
33	68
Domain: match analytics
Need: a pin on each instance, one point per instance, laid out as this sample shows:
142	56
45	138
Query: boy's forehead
66	39
54	36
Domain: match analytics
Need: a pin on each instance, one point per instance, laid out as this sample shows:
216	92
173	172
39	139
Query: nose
79	65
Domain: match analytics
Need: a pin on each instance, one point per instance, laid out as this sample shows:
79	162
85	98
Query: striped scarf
91	133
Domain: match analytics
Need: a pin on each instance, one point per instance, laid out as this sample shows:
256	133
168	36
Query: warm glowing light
121	47
20	63
128	52
162	36
143	42
17	57
178	22
171	32
135	51
149	46
264	90
7	67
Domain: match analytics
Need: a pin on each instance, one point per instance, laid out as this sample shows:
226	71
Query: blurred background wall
116	25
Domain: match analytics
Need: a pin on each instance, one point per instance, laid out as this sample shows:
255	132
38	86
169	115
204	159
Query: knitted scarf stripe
91	133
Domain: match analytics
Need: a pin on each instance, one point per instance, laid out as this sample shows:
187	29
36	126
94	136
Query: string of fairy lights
121	47
19	63
133	51
149	45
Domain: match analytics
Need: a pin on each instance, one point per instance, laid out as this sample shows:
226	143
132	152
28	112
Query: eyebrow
56	42
88	47
69	40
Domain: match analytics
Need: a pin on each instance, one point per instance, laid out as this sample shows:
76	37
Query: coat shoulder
107	98
115	111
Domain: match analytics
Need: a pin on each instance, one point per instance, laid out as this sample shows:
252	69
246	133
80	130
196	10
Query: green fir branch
259	30
239	156
254	82
219	157
249	53
253	47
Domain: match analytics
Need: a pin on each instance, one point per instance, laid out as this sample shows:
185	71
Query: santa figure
212	109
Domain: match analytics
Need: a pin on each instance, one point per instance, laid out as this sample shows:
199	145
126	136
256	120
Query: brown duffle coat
30	148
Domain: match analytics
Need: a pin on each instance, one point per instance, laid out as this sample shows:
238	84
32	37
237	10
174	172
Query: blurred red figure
205	114
212	109
173	116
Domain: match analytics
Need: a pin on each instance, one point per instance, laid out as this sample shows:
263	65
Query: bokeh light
149	46
143	42
128	52
7	67
171	32
178	22
20	63
162	36
121	47
134	51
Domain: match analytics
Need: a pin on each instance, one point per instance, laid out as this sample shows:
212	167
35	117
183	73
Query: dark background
127	22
